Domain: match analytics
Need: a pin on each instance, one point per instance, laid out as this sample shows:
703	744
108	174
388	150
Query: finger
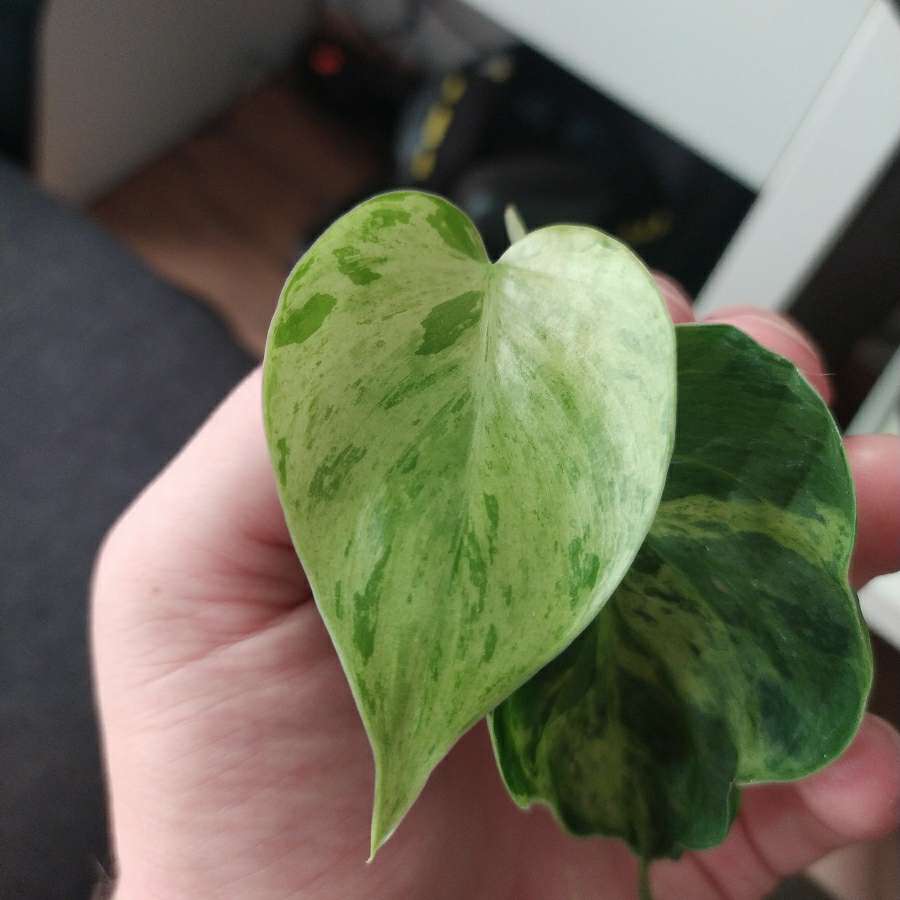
783	828
782	336
676	297
875	463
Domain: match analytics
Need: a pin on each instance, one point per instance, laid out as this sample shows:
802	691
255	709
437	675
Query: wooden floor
223	215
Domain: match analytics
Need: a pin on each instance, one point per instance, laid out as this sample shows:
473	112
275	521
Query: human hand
238	765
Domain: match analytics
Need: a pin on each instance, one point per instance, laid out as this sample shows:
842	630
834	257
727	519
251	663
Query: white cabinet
121	82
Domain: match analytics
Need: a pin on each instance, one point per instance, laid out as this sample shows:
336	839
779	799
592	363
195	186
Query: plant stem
515	226
644	891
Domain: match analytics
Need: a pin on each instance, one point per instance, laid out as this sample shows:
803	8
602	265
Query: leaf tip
388	807
382	829
377	836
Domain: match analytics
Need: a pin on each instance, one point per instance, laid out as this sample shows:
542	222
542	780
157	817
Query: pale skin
237	763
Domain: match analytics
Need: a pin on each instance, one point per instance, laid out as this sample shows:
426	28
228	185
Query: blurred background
163	165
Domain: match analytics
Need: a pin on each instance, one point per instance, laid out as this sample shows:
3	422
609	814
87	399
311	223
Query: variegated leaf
733	652
468	455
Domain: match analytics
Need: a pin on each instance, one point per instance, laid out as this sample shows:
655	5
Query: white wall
836	155
122	80
445	33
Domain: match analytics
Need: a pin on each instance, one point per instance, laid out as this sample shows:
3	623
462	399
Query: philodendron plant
501	514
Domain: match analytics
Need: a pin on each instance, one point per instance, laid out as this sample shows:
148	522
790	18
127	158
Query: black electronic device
514	127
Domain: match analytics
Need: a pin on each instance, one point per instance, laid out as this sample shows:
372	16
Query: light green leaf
468	455
733	652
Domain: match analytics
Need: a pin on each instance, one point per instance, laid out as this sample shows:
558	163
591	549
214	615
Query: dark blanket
104	372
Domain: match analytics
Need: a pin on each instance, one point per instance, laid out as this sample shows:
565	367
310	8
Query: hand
238	766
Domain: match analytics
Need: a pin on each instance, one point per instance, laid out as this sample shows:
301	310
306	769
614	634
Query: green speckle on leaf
414	384
295	279
456	232
461	401
359	269
281	446
408	461
492	507
477	569
365	609
380	218
583	568
303	323
330	475
490	643
446	322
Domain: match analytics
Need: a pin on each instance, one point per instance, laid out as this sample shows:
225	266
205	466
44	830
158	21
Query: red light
327	59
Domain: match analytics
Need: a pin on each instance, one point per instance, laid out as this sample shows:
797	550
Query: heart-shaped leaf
468	455
733	651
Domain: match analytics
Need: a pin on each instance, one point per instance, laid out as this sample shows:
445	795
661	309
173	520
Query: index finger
874	459
676	297
779	334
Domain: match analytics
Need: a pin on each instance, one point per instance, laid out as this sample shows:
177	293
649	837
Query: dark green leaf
733	652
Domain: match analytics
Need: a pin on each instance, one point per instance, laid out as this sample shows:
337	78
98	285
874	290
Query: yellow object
422	164
453	87
649	228
435	125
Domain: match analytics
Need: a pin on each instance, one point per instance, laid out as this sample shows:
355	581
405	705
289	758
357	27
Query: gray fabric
104	372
